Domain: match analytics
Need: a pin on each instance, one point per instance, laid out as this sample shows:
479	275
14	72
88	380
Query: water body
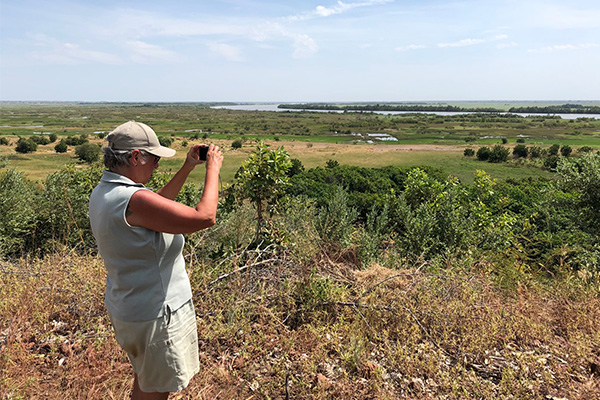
273	107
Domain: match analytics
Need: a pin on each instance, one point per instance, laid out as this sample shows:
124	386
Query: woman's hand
214	158
193	156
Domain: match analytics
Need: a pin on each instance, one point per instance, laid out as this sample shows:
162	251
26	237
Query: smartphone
202	151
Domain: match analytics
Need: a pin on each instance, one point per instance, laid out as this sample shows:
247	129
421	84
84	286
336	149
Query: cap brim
162	151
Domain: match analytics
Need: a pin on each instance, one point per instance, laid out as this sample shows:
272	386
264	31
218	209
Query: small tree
535	151
499	154
469	153
26	146
262	179
553	150
332	163
53	137
61	147
236	144
4	141
483	154
520	151
566	150
88	152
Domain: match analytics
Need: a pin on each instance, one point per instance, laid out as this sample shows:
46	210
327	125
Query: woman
139	236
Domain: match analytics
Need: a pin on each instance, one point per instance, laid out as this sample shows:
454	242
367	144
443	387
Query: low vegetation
334	270
382	283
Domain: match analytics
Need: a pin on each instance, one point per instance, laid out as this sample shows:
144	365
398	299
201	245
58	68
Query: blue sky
252	50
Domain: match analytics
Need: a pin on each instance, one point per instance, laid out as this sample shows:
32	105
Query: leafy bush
61	147
520	140
585	149
40	139
88	152
551	162
582	175
26	146
566	150
335	222
332	163
236	144
17	215
296	167
535	151
520	151
53	137
76	140
165	141
553	150
483	154
262	179
469	152
4	141
499	154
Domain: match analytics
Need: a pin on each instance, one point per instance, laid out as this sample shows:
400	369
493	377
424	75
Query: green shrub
76	140
236	144
165	141
483	154
566	150
553	150
585	149
26	146
332	163
551	162
17	214
469	152
61	147
53	137
520	151
520	140
296	167
535	151
40	139
582	175
335	222
4	141
498	154
88	152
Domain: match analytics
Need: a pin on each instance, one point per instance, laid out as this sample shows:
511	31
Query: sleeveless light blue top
146	273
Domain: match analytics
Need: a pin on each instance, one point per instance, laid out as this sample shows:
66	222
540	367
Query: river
273	107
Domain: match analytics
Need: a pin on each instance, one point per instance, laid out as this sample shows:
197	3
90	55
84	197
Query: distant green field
312	137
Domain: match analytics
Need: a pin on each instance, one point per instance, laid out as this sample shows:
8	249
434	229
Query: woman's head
130	136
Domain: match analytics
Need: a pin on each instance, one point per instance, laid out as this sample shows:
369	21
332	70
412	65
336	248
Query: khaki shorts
164	351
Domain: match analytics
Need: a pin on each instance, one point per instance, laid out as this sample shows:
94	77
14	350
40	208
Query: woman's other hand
214	158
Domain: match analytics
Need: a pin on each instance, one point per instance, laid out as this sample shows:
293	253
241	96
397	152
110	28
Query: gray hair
114	159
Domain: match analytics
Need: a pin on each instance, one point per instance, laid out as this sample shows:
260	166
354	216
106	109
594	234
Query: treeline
388	107
562	109
556	109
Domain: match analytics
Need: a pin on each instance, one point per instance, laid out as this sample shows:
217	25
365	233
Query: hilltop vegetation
329	280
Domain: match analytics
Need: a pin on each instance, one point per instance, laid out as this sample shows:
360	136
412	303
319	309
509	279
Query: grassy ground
318	331
449	158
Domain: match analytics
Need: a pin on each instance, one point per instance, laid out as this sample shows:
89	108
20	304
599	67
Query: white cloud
226	51
411	47
341	7
145	53
52	51
462	43
506	45
304	46
563	47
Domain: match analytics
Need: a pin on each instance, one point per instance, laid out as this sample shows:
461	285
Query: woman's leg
139	395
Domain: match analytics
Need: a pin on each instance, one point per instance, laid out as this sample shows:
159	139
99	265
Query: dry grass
318	331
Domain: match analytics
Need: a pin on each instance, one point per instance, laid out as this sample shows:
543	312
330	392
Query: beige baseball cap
135	135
